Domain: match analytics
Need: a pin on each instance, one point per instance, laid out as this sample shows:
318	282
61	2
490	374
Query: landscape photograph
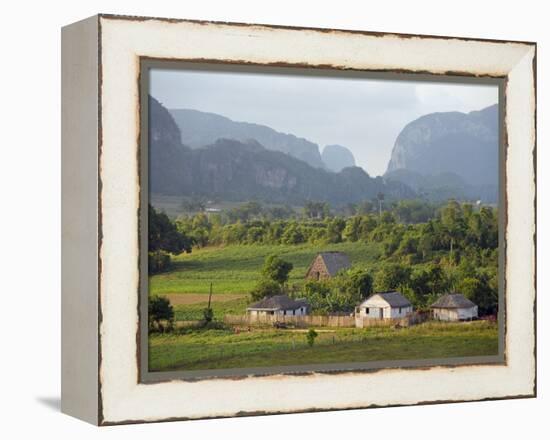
299	219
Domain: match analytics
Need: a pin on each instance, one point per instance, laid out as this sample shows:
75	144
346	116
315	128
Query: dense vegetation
425	250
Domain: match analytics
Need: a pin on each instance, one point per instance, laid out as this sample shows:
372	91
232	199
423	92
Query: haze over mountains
199	129
234	170
437	156
451	152
337	157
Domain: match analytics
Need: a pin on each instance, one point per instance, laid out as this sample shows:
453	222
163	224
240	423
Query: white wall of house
289	312
445	314
372	312
455	314
374	307
400	312
292	312
467	313
377	307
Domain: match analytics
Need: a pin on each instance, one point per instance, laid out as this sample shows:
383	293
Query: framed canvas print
264	219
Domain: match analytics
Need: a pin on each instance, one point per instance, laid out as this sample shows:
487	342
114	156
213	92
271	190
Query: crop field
236	269
215	349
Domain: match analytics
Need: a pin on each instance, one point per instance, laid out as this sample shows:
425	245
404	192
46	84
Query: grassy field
214	349
234	305
236	269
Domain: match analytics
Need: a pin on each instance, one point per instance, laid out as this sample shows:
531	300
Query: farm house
384	305
454	307
327	265
278	305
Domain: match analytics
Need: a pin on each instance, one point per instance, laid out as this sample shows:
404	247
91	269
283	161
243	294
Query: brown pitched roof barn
453	301
327	265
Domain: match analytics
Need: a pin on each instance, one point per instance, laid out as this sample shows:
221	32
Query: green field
194	311
236	269
215	349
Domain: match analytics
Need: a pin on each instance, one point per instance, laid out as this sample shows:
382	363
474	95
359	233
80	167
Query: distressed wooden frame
101	60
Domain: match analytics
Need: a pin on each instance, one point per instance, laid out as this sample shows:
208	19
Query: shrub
265	288
208	314
310	337
160	310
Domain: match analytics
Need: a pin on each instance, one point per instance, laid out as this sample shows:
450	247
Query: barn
454	307
384	305
278	305
327	264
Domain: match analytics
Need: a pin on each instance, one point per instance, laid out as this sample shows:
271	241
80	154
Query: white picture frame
101	59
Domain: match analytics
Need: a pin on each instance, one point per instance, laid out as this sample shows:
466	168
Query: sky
364	115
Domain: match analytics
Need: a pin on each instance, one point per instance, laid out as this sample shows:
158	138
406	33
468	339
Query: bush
310	337
159	261
318	295
208	314
160	310
265	288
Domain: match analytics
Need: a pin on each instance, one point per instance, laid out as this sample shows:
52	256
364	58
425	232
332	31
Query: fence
412	319
297	321
323	321
313	321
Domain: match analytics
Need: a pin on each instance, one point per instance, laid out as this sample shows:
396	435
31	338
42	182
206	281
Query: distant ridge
199	129
234	170
465	144
337	157
450	154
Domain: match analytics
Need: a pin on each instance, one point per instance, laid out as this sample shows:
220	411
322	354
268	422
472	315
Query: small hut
384	305
454	307
278	305
327	264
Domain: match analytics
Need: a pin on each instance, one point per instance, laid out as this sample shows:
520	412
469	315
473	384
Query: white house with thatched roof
454	307
327	264
384	305
278	305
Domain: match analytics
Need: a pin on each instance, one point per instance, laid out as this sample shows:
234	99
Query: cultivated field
236	269
214	349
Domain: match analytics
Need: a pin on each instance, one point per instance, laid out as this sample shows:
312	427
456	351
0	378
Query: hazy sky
364	115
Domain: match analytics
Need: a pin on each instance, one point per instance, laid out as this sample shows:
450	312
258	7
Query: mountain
465	144
169	168
234	170
199	129
337	157
452	154
443	186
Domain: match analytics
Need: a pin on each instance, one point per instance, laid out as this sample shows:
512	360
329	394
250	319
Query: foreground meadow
215	349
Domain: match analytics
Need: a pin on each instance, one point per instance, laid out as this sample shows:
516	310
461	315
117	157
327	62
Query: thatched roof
335	262
278	302
393	298
453	301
